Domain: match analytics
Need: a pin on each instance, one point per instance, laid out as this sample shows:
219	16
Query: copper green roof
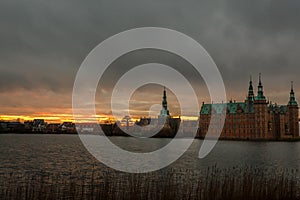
277	108
283	109
205	109
232	108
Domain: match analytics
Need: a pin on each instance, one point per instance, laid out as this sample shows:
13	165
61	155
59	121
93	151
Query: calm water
62	154
59	167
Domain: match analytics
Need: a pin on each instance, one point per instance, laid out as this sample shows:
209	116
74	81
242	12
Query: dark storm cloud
44	42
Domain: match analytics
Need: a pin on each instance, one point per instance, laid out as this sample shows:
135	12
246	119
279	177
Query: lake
61	156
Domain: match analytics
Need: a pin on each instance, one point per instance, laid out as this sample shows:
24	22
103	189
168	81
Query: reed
212	183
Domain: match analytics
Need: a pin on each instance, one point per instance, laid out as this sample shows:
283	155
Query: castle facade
255	118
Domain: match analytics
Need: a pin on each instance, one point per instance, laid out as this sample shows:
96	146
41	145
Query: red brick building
255	118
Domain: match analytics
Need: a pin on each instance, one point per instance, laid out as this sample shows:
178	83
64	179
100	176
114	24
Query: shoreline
297	139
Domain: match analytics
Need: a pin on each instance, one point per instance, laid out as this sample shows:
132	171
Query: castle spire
292	101
164	102
164	111
260	94
250	91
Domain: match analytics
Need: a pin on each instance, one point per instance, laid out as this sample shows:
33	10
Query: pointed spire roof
164	111
292	101
250	91
260	93
164	102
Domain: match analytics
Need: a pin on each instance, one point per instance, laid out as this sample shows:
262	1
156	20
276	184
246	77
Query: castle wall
262	124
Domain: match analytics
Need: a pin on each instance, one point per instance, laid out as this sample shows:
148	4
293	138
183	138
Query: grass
212	183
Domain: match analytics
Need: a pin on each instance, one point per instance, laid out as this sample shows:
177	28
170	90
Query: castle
255	118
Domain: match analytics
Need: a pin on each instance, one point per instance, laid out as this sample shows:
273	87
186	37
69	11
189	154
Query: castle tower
292	101
260	93
250	91
164	111
293	114
261	113
249	111
250	98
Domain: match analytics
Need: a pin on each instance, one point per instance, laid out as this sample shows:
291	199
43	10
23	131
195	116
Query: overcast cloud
42	43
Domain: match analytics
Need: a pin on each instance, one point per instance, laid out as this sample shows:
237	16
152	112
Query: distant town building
28	125
12	126
53	128
39	125
256	118
170	124
68	127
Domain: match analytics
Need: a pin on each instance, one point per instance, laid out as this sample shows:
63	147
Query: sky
43	44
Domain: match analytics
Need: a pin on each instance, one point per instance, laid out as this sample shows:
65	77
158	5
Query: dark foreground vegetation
212	183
